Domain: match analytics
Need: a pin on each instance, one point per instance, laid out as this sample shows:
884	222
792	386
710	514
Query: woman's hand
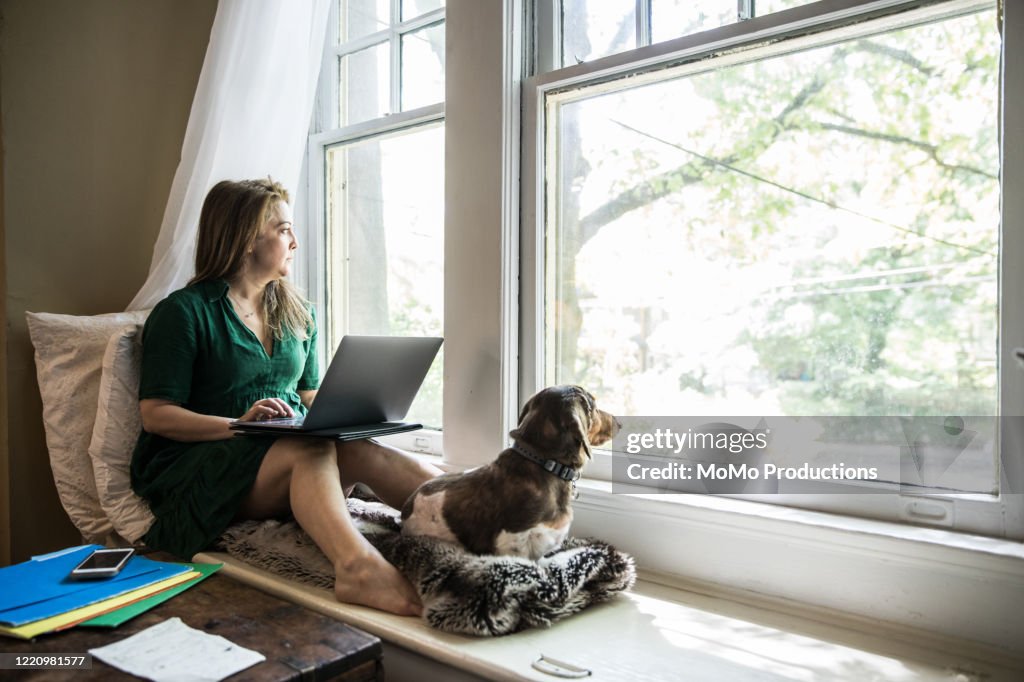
268	408
171	420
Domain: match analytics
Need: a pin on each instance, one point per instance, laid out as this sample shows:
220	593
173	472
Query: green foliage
903	123
416	318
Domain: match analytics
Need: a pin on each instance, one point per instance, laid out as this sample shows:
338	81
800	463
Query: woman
240	342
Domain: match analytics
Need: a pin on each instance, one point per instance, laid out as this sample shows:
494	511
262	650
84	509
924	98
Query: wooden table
299	644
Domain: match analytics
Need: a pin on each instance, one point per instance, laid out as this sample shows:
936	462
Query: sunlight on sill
654	633
738	648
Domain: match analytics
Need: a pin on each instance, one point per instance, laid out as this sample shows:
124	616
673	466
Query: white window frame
549	36
951	585
1002	517
933	586
325	132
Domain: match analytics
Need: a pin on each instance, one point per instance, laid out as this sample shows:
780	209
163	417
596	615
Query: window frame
325	132
495	360
999	517
854	572
327	95
549	37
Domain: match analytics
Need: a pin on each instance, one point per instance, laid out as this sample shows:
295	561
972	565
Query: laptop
366	392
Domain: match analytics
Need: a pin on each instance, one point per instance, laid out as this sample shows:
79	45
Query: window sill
424	443
929	586
744	512
651	633
934	587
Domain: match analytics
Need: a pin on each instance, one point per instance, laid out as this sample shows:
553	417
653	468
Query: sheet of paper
173	652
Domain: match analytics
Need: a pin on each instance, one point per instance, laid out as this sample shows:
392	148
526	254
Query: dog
519	504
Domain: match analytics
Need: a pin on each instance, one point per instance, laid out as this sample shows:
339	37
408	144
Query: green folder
125	613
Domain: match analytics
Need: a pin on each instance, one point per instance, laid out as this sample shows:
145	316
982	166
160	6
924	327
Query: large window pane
385	222
596	28
808	234
364	90
423	67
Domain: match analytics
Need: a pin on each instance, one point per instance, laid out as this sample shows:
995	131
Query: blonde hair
232	217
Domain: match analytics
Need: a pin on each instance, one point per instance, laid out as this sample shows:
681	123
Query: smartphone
102	563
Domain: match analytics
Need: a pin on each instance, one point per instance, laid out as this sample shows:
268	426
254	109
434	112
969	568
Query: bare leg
393	475
302	474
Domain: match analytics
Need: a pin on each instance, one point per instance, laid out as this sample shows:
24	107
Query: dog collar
554	468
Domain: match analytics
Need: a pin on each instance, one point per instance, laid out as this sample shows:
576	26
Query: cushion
117	428
461	593
69	354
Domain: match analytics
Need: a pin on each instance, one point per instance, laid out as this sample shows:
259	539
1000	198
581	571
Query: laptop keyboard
284	421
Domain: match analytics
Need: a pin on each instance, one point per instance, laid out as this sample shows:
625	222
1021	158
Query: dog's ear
518	431
522	412
576	423
534	424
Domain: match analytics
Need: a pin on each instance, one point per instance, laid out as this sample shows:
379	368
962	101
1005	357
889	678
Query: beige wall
5	511
95	99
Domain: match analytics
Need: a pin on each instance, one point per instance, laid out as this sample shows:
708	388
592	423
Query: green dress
197	353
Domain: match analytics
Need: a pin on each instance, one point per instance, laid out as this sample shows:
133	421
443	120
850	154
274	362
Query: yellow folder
65	620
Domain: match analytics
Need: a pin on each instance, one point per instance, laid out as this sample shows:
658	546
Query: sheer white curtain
250	118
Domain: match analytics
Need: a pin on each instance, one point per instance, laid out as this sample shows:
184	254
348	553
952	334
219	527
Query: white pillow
69	355
118	424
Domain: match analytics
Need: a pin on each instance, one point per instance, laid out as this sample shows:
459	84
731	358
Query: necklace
245	314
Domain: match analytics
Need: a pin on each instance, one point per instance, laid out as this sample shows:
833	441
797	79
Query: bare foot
371	581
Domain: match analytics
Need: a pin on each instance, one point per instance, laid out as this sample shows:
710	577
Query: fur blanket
461	592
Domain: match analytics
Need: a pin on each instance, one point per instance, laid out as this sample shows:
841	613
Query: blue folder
40	588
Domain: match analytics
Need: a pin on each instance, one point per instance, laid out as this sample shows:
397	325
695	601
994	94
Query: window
791	215
597	28
495	332
389	57
377	168
386	207
849	233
